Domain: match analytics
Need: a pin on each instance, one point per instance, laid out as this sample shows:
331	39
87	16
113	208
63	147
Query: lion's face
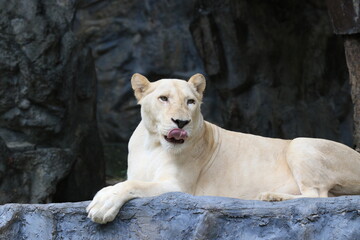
170	108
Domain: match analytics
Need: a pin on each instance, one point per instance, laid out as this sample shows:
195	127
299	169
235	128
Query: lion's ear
139	84
199	82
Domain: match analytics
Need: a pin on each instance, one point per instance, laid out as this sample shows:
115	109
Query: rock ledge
182	216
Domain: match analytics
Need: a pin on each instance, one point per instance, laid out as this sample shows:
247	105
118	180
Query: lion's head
170	108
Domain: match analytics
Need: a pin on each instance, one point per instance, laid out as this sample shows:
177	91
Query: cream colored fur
217	162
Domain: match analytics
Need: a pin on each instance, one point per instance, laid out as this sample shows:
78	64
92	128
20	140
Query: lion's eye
163	98
191	101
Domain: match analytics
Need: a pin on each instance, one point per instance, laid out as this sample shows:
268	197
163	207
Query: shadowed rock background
49	142
274	68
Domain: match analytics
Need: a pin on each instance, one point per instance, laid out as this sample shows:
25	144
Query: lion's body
230	162
203	159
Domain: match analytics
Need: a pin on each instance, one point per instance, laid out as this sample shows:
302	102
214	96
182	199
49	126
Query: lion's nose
180	123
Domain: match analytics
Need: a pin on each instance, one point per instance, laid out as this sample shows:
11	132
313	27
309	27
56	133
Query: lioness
174	149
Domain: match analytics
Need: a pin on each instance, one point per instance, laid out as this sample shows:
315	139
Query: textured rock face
182	216
352	50
273	68
345	20
345	16
50	149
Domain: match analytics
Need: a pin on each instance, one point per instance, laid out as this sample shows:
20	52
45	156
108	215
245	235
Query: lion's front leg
108	201
106	204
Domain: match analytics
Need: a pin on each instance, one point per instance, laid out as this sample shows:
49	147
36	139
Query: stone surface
345	20
352	50
182	216
274	68
49	143
345	16
31	176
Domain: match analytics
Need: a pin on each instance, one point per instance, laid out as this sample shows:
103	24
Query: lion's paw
105	206
270	197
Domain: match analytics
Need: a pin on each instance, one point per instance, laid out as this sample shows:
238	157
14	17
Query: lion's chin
174	146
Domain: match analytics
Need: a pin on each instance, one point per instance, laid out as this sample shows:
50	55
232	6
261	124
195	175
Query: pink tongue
177	133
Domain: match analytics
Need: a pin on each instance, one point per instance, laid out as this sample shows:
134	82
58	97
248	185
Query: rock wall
274	68
49	143
182	216
345	20
352	50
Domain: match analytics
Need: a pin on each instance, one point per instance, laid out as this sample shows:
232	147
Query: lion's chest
144	164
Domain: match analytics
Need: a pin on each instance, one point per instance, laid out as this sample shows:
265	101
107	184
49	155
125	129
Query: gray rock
345	16
20	146
182	216
47	106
